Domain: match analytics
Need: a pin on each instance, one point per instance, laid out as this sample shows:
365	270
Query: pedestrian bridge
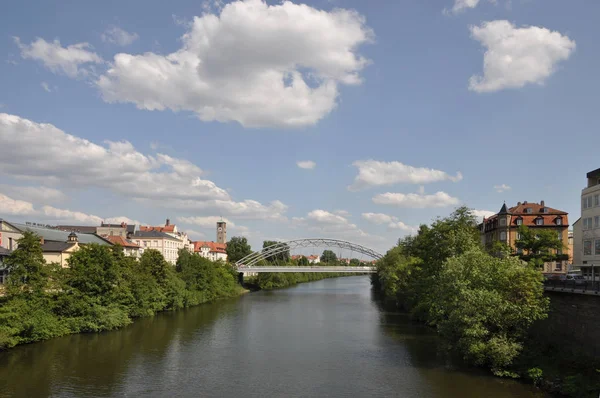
354	270
255	262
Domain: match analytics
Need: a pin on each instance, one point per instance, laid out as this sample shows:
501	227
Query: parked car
576	279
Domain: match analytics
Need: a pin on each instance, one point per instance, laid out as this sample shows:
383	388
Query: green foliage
539	245
535	374
328	256
237	248
482	305
282	256
355	262
101	289
303	261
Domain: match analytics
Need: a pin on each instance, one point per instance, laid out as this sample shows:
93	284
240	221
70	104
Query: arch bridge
249	263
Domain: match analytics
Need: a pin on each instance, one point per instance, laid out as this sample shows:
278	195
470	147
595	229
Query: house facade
171	229
504	227
165	243
129	247
589	227
211	250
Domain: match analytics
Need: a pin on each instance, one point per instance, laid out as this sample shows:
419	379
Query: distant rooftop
57	235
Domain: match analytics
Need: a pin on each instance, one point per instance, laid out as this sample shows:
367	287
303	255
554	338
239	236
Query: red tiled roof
166	228
213	246
519	212
119	240
536	208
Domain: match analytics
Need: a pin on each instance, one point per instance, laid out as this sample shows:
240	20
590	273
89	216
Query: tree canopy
237	248
282	257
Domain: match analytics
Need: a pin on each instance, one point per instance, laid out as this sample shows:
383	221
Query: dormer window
519	221
539	221
558	221
544	210
529	210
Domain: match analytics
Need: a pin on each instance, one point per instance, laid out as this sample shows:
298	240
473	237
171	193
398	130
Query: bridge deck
355	270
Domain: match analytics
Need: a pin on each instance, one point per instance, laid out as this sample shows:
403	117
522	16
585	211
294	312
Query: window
502	222
587	223
519	221
558	221
539	221
597	247
596	200
544	210
584	203
558	266
597	222
559	235
518	236
587	247
503	236
529	210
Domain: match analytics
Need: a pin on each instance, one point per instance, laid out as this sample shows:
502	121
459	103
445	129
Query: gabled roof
56	247
77	228
56	235
119	240
154	234
213	246
536	208
503	210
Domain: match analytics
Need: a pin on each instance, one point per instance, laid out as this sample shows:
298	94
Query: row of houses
60	241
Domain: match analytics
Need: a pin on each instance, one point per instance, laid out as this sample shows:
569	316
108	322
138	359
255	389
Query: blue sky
406	108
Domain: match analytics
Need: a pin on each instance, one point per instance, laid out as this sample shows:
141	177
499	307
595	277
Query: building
590	226
171	229
104	229
59	252
570	253
314	259
129	247
504	227
213	251
3	271
577	243
221	232
9	234
165	243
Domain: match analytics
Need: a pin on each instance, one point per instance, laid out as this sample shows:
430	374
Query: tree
328	256
355	262
303	261
237	248
27	268
283	255
538	246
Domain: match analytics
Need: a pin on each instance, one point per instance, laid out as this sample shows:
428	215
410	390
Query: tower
221	232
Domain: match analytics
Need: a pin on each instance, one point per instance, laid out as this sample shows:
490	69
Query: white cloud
483	213
416	201
375	173
204	222
342	213
517	56
42	152
46	87
328	224
462	5
70	60
325	217
502	188
118	36
258	64
13	207
53	213
36	194
126	220
306	164
391	221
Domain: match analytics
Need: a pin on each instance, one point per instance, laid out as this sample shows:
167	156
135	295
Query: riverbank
272	281
101	290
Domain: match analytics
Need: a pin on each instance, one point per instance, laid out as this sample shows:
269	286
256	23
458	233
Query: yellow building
504	227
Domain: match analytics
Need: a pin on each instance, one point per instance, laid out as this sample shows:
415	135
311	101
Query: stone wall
573	323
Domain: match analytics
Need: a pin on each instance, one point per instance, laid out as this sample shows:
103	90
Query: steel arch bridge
248	263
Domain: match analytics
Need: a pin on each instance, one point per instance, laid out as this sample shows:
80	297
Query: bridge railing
579	285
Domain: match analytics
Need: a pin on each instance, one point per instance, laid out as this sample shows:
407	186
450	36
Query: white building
166	244
588	228
211	250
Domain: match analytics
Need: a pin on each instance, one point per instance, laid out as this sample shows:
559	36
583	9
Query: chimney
168	223
542	203
525	202
518	203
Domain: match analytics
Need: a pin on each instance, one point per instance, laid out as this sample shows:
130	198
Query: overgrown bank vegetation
482	305
101	289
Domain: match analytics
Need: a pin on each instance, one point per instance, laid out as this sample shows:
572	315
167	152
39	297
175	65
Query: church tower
221	232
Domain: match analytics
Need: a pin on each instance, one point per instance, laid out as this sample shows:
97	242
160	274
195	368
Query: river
321	339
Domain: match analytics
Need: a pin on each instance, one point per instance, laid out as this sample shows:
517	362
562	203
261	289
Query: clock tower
221	232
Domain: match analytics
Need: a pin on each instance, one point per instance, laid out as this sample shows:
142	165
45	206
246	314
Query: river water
321	339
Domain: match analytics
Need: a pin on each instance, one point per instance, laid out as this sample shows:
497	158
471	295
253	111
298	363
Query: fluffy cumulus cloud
204	222
72	60
482	213
44	153
13	207
502	188
306	164
516	56
375	173
329	223
416	201
118	36
462	5
391	221
36	194
260	65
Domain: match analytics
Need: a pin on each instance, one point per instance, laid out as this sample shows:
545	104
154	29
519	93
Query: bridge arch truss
284	246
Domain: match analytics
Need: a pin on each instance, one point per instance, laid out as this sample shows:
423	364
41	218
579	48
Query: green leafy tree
355	262
538	245
237	248
27	268
328	256
303	261
282	256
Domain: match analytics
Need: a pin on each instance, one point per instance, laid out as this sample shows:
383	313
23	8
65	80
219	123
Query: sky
342	119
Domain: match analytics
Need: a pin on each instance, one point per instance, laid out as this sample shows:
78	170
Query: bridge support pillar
241	278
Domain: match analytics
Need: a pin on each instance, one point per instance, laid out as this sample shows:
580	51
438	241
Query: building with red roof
212	250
